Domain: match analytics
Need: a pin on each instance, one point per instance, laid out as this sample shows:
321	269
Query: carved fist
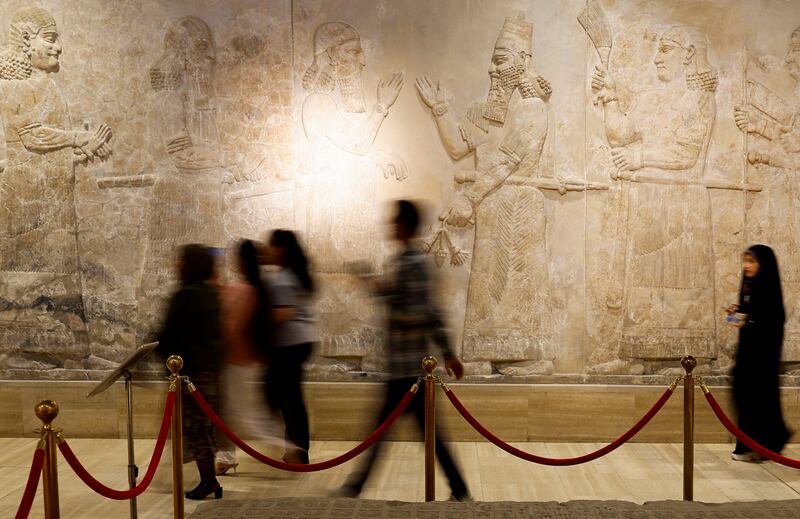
744	121
460	214
791	141
391	165
626	159
603	82
430	94
389	88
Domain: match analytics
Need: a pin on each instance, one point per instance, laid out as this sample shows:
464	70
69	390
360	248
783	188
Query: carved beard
352	93
501	86
510	77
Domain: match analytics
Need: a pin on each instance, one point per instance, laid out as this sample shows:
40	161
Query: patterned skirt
199	434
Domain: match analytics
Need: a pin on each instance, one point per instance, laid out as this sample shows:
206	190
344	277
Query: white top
286	290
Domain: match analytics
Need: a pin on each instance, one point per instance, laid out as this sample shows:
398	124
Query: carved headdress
325	73
26	22
516	35
327	36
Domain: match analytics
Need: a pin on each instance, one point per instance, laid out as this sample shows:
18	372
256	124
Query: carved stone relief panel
186	205
587	202
770	123
674	222
505	137
119	201
340	172
43	320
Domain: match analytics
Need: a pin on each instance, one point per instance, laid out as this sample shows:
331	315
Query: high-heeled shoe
202	491
221	468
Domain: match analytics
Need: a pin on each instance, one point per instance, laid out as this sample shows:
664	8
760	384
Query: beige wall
216	136
344	411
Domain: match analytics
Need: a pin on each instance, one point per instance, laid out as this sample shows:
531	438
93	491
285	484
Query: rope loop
111	493
560	461
310	467
743	437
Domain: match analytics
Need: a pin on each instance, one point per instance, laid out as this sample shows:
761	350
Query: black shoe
203	490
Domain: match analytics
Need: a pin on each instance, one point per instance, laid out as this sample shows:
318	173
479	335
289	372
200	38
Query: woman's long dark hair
295	258
262	325
248	259
764	289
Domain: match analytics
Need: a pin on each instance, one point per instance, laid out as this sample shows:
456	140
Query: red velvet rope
728	423
33	482
311	467
559	462
111	493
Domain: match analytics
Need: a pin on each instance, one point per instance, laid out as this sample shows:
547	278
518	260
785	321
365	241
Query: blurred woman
291	289
247	337
760	316
192	330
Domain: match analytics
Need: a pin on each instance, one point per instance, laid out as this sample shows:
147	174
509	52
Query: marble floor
636	472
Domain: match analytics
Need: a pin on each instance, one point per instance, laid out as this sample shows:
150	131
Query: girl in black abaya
759	316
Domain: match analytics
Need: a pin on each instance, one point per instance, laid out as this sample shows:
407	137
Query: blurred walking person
192	330
760	317
413	320
291	289
248	336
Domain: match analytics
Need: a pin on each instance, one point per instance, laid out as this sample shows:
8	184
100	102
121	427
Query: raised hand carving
500	195
388	90
336	93
745	121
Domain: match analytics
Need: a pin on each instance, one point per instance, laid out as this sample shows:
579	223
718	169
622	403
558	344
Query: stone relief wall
591	170
199	101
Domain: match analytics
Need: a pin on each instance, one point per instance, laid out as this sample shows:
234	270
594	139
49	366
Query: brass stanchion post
175	363
46	411
688	363
429	365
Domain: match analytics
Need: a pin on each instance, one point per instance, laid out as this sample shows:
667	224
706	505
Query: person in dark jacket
413	321
760	317
192	330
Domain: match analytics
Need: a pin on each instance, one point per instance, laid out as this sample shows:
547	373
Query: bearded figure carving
505	135
336	119
340	185
665	286
42	316
187	203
